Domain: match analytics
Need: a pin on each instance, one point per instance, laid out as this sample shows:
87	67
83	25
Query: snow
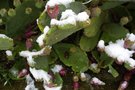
52	88
120	42
115	50
45	77
40	75
69	20
83	16
29	55
40	39
101	44
130	37
131	62
118	52
83	76
52	3
69	17
133	47
57	68
9	53
94	65
96	81
4	36
67	13
37	20
30	83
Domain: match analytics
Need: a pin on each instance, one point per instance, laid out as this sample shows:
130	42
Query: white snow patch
41	75
37	20
52	3
29	55
94	65
120	42
118	52
9	53
83	75
40	39
130	37
3	36
69	17
101	44
83	16
67	13
57	68
133	47
131	62
30	83
69	20
96	81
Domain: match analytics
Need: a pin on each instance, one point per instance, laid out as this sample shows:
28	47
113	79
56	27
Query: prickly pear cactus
47	40
16	24
59	32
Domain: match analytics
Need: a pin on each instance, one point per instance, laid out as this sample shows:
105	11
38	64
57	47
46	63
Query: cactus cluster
56	37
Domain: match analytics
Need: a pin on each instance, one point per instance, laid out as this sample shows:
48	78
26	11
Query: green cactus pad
55	35
70	54
6	43
16	25
94	27
89	43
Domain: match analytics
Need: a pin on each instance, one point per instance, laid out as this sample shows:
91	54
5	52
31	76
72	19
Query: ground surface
111	83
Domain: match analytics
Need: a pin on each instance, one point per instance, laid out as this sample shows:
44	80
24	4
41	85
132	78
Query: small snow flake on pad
101	44
4	36
83	16
130	37
96	81
9	53
69	20
94	66
41	75
29	55
57	68
69	17
40	39
120	42
67	13
83	77
131	62
30	83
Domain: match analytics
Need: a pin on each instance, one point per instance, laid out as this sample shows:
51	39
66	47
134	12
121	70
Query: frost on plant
118	51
